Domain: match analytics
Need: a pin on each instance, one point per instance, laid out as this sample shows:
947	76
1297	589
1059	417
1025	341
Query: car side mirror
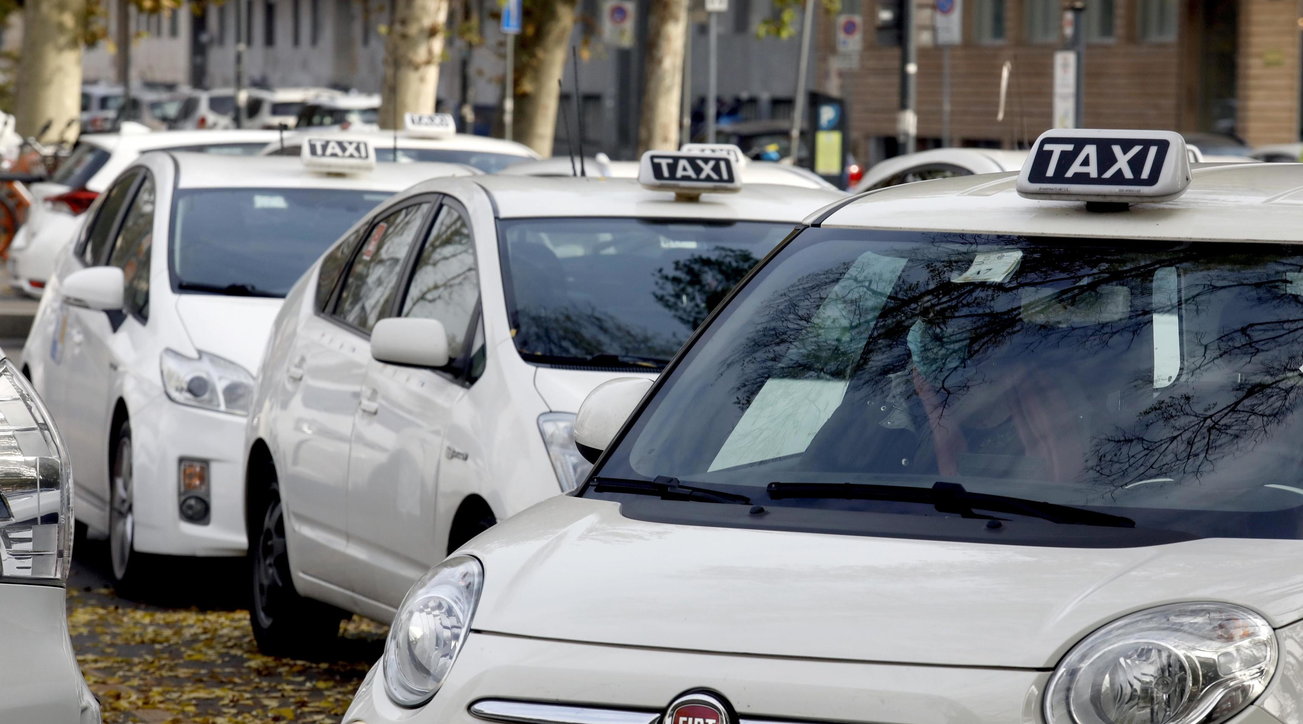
102	288
410	341
605	411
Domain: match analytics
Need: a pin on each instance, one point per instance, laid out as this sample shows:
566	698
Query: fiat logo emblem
696	708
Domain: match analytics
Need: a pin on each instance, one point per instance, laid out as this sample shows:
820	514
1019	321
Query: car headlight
1189	663
558	429
429	630
35	487
207	381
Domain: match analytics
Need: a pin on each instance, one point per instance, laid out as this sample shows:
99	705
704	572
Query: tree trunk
413	51
49	68
663	79
541	52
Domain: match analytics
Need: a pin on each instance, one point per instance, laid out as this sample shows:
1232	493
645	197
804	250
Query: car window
444	283
286	108
926	172
224	105
372	281
224	149
85	161
486	162
332	265
95	244
188	108
132	249
286	151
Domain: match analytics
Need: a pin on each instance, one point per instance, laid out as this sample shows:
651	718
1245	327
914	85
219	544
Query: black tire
284	623
126	566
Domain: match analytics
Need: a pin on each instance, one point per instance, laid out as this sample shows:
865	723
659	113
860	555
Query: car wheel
284	623
122	519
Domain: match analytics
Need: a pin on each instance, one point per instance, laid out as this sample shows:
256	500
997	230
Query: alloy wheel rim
270	562
122	523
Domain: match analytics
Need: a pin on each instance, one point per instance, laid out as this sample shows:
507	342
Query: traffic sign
618	20
716	6
948	22
850	33
511	17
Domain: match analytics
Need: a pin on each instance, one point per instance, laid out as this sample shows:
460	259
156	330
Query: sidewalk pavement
16	309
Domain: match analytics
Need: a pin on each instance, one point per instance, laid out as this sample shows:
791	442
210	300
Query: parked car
208	109
938	163
989	449
343	112
145	343
95	161
285	105
422	380
99	106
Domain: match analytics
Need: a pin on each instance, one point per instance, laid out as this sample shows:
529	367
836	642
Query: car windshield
286	108
1156	381
621	293
222	105
83	163
486	162
257	242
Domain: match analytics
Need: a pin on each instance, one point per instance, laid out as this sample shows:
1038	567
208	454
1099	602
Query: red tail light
202	122
75	202
854	174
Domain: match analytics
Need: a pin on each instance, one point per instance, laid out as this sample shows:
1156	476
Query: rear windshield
286	109
1158	382
257	242
486	162
224	149
224	105
85	161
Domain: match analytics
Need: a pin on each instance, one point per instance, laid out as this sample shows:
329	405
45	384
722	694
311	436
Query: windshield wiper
603	359
230	290
950	498
667	488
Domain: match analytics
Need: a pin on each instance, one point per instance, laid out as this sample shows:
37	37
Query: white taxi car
42	682
95	161
429	137
422	378
984	450
145	351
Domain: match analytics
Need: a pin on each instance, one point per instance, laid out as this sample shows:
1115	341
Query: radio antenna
579	113
565	123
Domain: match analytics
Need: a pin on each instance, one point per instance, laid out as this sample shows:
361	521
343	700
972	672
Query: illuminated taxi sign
337	155
1113	167
688	175
721	149
430	125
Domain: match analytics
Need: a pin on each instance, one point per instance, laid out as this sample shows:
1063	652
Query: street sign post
511	17
618	18
947	30
713	9
850	33
1065	89
511	12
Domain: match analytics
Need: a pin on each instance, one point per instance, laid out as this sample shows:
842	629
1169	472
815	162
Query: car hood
232	327
563	390
575	569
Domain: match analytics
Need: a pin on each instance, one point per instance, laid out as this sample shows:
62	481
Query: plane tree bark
413	51
667	27
49	67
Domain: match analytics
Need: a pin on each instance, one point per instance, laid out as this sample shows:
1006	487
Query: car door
97	341
329	366
399	438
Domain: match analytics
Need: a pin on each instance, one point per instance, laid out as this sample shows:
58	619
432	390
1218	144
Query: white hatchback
422	379
981	450
145	344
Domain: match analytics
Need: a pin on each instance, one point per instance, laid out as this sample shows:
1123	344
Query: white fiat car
145	351
41	679
986	450
422	378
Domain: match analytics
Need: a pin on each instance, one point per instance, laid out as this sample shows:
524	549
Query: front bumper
165	434
517	680
41	680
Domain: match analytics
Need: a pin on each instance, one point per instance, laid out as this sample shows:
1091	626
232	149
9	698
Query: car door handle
369	404
295	372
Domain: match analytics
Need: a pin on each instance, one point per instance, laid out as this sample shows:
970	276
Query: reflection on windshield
257	242
1158	378
625	291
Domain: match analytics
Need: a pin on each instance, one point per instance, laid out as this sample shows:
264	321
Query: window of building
269	23
741	10
1157	20
173	21
1043	20
294	22
988	20
315	21
219	33
1099	21
366	24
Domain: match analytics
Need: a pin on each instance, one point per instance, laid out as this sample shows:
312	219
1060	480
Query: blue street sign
945	7
511	17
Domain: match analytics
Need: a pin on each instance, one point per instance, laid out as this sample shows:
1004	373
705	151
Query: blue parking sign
511	17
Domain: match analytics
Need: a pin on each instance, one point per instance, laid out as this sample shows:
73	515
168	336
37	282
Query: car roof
1232	202
382	139
754	172
207	170
975	160
517	197
170	139
346	101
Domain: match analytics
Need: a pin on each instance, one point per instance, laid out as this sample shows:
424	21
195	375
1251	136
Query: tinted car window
85	161
444	284
333	264
251	241
96	243
224	105
131	251
486	162
373	279
225	149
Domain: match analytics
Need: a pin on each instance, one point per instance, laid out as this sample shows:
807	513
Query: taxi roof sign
688	175
1106	166
337	155
731	150
430	125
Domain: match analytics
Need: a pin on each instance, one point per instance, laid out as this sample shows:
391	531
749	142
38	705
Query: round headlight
1190	663
429	629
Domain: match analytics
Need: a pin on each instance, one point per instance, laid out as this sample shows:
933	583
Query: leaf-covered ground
183	652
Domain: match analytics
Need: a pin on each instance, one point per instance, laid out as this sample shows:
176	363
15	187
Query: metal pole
712	92
798	103
907	120
241	46
685	108
509	91
124	55
945	95
1079	46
